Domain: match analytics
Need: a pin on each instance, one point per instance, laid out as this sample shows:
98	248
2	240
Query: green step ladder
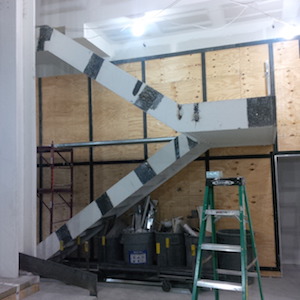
243	216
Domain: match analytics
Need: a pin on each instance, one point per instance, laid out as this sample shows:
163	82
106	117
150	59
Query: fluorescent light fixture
139	25
138	28
288	32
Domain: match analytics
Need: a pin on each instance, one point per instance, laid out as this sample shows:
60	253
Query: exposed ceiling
175	25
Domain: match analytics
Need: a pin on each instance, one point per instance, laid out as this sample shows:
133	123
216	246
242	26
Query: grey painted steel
221	247
68	275
222	285
237	273
116	142
222	212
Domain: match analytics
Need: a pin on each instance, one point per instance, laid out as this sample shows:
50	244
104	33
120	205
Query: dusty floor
285	288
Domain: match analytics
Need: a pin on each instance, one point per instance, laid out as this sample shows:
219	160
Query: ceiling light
138	28
139	25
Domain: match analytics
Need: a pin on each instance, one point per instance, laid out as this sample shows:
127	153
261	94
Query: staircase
202	126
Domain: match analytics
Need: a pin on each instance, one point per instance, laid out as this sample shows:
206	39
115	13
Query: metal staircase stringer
125	193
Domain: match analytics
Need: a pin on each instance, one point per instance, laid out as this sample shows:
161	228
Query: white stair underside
203	126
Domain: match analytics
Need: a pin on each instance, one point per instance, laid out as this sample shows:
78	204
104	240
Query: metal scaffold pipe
115	142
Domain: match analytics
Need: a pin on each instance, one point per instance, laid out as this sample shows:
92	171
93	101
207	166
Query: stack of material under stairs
243	216
202	126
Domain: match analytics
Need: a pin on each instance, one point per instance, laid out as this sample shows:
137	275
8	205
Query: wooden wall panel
252	68
257	173
65	112
116	119
223	74
286	55
236	73
179	78
182	193
287	79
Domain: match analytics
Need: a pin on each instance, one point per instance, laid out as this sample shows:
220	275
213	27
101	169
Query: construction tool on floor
243	216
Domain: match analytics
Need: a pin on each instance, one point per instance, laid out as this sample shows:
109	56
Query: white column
17	172
30	209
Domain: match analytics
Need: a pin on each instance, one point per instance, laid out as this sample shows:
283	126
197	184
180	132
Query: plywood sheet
223	87
179	77
182	193
257	173
65	111
223	62
81	188
155	129
116	119
286	54
236	73
288	108
241	150
253	58
253	85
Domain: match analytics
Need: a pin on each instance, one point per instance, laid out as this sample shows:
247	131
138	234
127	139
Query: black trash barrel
139	248
232	261
191	244
113	250
170	249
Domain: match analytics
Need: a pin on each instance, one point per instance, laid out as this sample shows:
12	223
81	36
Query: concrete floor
284	288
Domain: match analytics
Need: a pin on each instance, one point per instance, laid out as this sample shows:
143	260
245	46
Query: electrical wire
249	4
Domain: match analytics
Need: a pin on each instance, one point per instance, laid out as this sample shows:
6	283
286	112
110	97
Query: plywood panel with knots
286	55
287	81
65	112
259	192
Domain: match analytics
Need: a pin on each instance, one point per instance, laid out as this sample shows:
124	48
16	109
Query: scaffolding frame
56	159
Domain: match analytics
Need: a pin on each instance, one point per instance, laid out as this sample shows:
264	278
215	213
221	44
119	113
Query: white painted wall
17	134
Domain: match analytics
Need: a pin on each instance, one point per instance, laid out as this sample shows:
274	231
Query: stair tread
222	212
220	285
221	247
235	272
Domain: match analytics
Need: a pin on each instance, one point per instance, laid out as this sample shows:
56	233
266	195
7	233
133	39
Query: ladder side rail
243	243
214	240
253	245
198	265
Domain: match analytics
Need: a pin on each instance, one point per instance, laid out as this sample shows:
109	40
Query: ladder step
222	212
234	272
220	285
221	247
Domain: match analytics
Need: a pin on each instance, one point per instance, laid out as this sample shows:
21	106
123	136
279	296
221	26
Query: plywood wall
65	112
257	173
287	79
236	73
